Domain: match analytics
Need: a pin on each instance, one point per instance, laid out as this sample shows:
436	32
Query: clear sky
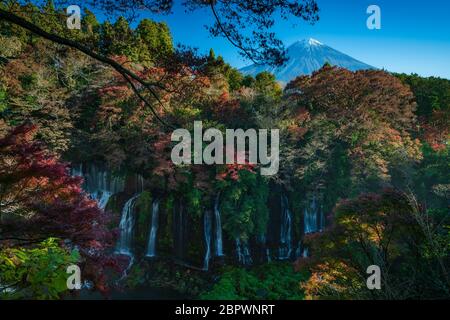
414	36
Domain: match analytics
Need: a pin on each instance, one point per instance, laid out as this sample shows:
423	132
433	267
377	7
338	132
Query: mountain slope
305	57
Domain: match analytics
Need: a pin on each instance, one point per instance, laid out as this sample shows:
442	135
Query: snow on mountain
305	57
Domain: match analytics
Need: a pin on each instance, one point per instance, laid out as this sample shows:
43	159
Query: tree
247	25
37	272
433	100
370	114
267	85
36	92
230	16
117	38
40	200
389	230
217	69
156	41
243	201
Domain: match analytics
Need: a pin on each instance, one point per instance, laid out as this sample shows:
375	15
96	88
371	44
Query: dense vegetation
272	281
371	147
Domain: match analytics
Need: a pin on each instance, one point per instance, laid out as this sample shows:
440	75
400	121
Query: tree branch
127	74
227	35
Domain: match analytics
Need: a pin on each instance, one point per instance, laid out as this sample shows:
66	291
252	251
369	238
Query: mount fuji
305	57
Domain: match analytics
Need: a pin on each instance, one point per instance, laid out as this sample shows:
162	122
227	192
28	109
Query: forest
86	176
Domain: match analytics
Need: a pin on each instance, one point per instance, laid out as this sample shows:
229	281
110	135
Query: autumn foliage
389	230
39	200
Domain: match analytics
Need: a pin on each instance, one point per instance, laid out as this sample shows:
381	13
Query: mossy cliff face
166	241
250	210
143	217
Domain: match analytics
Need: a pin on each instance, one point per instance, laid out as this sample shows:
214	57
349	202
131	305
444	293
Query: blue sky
414	37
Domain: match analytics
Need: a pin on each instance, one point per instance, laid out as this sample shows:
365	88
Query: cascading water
140	183
151	247
100	184
104	198
269	259
246	251
298	250
301	251
285	232
126	227
77	171
265	253
310	217
243	253
305	253
207	226
218	234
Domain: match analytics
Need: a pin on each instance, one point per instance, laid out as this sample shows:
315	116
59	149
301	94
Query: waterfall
265	251
218	234
77	171
243	252
102	198
207	232
305	253
285	231
99	184
301	251
246	252
298	250
151	248
126	227
310	217
269	259
140	183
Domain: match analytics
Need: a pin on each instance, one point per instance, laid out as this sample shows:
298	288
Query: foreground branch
126	73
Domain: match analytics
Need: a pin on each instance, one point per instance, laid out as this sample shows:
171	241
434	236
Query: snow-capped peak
308	43
306	56
314	42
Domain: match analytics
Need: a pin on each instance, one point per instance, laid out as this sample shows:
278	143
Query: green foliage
248	81
143	218
147	44
409	244
431	180
341	137
117	38
28	81
338	175
165	238
272	281
217	67
90	22
38	273
3	100
266	84
185	281
11	47
244	205
154	40
432	94
136	276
